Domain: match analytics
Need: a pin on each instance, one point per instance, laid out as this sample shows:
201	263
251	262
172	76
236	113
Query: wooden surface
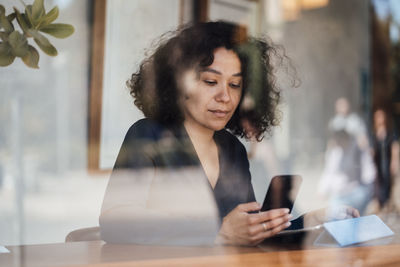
96	253
295	250
201	10
360	256
96	83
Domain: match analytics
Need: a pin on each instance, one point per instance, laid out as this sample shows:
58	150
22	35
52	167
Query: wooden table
97	253
293	251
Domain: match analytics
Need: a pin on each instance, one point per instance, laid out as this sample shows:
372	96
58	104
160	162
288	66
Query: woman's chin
217	126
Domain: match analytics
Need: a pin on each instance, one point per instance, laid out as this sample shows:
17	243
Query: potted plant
34	22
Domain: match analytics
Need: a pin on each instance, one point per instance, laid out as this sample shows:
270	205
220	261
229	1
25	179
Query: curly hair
154	86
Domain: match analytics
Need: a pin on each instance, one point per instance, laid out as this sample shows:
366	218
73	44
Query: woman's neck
200	136
206	149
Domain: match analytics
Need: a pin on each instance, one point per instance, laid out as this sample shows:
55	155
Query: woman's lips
219	113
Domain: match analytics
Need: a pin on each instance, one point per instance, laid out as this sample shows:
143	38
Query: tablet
282	192
356	230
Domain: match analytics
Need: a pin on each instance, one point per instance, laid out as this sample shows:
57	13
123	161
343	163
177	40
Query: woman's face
211	96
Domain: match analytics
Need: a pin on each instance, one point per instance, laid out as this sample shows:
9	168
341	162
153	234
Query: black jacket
149	144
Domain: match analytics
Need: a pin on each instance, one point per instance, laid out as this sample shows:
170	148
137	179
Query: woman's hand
240	227
320	216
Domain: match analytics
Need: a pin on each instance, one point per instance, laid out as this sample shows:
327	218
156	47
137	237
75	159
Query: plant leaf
43	43
49	17
8	27
28	12
38	9
58	30
18	43
6	56
31	59
4	36
23	22
11	17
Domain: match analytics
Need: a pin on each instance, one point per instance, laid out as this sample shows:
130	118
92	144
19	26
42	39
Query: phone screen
282	192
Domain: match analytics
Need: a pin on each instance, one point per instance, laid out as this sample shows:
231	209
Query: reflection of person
386	156
344	179
348	172
193	91
348	121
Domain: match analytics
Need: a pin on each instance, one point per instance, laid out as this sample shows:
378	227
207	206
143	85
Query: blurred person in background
348	173
349	121
349	170
386	158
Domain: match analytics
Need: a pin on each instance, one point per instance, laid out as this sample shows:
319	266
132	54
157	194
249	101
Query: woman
195	91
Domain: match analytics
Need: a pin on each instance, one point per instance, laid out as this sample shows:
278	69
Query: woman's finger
354	212
278	221
268	225
270	232
267	216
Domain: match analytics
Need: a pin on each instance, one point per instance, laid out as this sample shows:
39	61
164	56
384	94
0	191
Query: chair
84	234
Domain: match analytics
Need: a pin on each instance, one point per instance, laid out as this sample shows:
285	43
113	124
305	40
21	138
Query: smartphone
282	192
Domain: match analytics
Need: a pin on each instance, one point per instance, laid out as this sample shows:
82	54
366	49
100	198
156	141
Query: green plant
33	23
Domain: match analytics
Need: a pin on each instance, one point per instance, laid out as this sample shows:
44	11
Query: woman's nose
223	94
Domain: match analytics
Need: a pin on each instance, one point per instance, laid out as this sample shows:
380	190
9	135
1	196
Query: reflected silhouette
165	206
386	158
349	171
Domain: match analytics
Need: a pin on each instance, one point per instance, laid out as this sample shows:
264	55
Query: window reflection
46	191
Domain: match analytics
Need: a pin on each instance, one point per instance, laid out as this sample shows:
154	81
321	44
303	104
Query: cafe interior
65	112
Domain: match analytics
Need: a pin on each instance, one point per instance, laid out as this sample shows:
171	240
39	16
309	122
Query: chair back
84	234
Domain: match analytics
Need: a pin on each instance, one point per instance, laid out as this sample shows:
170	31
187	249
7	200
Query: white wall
131	26
43	137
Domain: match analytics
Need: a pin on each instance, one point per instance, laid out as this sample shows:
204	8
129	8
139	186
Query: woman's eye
235	85
210	82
